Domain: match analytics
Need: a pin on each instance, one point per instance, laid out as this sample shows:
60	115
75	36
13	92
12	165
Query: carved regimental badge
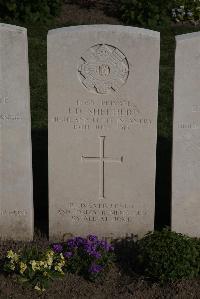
103	68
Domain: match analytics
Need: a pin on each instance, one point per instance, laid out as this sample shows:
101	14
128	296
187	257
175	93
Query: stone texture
103	88
186	137
16	201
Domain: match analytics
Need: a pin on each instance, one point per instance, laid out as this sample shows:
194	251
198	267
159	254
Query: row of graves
102	132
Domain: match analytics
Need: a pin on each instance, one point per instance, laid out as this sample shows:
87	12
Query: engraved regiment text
98	115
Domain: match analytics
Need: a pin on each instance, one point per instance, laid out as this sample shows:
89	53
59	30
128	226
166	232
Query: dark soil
74	14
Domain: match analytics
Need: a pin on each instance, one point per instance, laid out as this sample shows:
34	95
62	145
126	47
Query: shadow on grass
40	179
163	183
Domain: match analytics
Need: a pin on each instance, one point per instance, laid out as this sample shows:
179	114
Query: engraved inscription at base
83	212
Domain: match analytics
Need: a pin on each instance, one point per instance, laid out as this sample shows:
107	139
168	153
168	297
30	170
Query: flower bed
161	256
89	257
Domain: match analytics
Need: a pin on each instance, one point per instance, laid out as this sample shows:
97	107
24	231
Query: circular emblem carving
103	68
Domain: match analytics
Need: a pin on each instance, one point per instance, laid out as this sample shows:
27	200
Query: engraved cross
102	160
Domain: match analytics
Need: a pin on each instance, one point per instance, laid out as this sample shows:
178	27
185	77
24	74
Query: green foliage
186	10
28	10
157	12
145	12
168	256
35	268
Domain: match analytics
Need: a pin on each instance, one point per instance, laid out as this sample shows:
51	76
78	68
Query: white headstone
186	137
103	89
16	201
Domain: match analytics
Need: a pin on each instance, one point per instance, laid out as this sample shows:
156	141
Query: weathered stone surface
186	137
16	202
103	88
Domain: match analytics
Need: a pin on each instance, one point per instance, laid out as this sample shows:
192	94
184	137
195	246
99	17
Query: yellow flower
35	265
50	253
49	261
45	265
62	257
39	289
10	254
23	267
41	263
13	256
45	273
12	266
59	266
63	263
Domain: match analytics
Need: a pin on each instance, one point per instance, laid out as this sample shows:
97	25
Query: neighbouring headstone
16	201
103	89
186	136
